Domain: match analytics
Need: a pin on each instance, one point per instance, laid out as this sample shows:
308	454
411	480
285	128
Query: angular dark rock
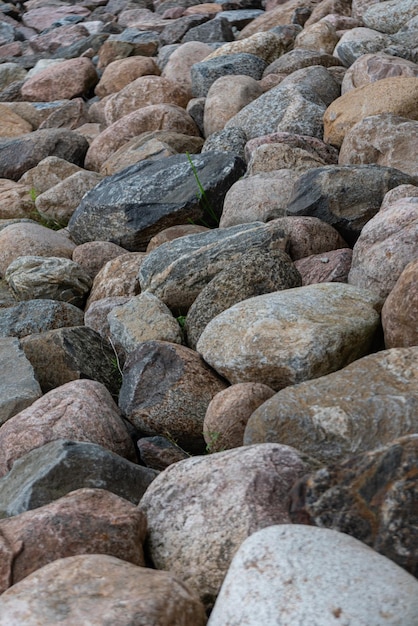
205	73
37	316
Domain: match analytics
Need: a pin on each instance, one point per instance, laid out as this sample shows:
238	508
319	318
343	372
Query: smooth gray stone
205	73
59	467
37	316
133	205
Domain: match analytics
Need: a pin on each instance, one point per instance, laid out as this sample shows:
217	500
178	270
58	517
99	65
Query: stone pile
208	312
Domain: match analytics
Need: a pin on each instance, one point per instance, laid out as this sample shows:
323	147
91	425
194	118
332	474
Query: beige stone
267	46
11	124
275	16
93	255
369	68
329	267
280	156
320	36
15	200
181	60
49	172
399	313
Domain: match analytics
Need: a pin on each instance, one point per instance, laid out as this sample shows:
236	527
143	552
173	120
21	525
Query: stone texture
158	452
287	337
399	311
370	68
48	172
275	16
93	255
397	95
256	272
330	267
15	200
357	42
205	73
328	571
390	17
166	389
320	36
298	59
177	271
383	139
120	73
11	124
82	410
167	193
361	407
386	245
265	45
19	386
68	79
59	467
317	148
279	156
251	486
43	17
226	140
51	278
86	521
173	232
178	67
366	496
118	277
66	590
36	316
228	413
346	197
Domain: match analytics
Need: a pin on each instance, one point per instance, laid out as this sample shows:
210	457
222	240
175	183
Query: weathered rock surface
36	316
93	255
118	277
158	452
399	313
205	73
68	79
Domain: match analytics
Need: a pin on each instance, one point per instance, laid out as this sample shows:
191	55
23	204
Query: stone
228	413
325	8
290	336
398	193
15	200
11	124
173	232
82	410
316	147
226	140
19	386
399	311
95	316
61	355
176	29
256	272
51	278
384	139
397	95
205	73
20	154
43	17
280	156
84	521
298	59
10	73
152	150
131	42
68	79
158	452
167	193
366	496
251	486
265	45
178	66
386	245
328	570
166	389
28	238
122	590
275	16
120	73
241	91
212	31
177	271
49	172
71	114
390	17
36	316
356	42
118	277
370	68
331	267
58	37
320	36
347	196
148	118
93	255
59	467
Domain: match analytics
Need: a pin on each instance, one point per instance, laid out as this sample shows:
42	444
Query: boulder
65	80
37	316
330	267
206	72
118	277
399	311
120	73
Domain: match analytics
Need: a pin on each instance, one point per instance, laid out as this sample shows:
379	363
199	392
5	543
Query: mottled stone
93	255
15	200
173	232
166	389
316	147
212	31
227	140
131	42
265	45
152	150
120	73
68	79
399	311
11	124
287	337
158	452
320	36
280	156
251	486
178	66
118	277
49	172
390	17
204	74
36	316
298	59
370	68
358	41
330	267
309	235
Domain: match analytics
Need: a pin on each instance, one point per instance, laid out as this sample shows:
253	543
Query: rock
52	278
366	496
43	17
228	413
118	277
396	95
36	316
167	192
61	355
298	59
390	17
57	468
399	310
327	570
166	389
398	193
280	156
49	172
131	42
256	272
84	521
287	337
68	79
265	45
18	155
176	29
385	247
143	318
19	386
320	36
370	68
205	73
174	232
82	410
10	73
58	37
15	200
383	139
346	197
317	148
11	124
28	238
95	316
93	255
176	272
120	73
275	16
122	590
226	140
331	267
213	31
359	41
251	486
178	67
71	114
159	452
149	118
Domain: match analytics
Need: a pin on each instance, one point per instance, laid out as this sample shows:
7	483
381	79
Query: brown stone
330	267
309	235
120	73
118	277
370	68
42	17
11	124
158	452
181	60
71	114
320	36
317	148
49	172
15	200
275	15
58	37
173	232
63	80
93	255
399	313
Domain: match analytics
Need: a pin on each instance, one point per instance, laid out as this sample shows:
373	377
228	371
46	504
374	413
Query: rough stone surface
287	337
399	311
166	389
205	73
93	255
251	486
367	404
118	277
267	46
299	58
15	200
279	156
48	172
329	267
11	124
173	232
36	316
356	42
158	452
390	17
328	571
63	80
82	410
120	73
372	67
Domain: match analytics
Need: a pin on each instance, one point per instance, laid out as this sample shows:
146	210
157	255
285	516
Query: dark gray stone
133	205
177	271
173	33
59	467
211	32
255	273
359	41
345	196
205	73
37	316
227	140
196	109
93	42
240	17
318	79
20	154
